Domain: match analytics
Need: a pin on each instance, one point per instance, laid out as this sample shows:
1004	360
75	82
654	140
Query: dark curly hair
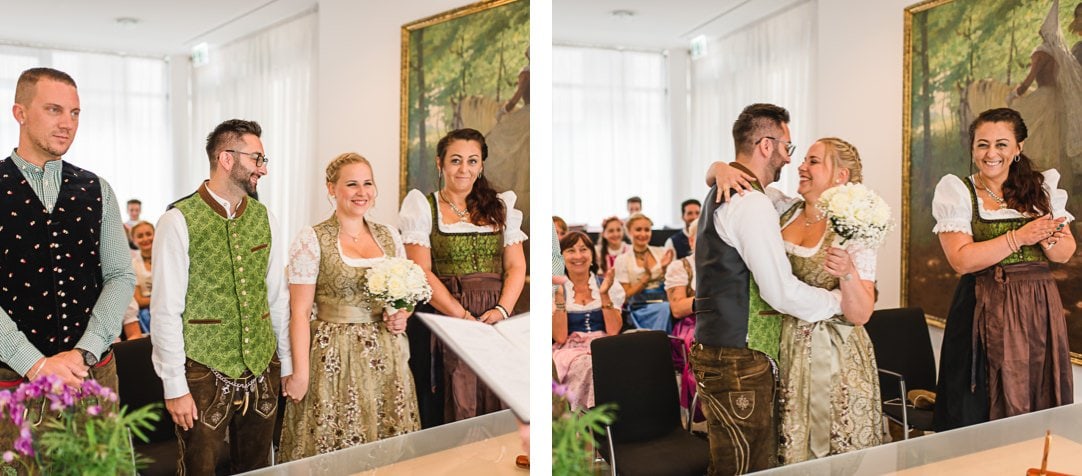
484	206
1023	188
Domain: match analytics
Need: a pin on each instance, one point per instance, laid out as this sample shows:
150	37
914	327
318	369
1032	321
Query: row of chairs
635	372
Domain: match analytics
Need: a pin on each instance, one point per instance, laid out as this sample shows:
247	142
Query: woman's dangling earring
1018	157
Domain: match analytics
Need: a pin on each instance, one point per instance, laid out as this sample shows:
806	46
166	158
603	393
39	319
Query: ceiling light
624	15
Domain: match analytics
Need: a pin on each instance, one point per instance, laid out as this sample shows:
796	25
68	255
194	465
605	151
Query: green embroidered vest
764	323
984	230
459	254
226	314
341	290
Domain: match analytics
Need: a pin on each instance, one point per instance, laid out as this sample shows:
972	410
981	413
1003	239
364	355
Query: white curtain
771	61
610	133
124	125
268	77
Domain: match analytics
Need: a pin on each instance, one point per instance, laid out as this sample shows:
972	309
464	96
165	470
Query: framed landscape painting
468	67
963	57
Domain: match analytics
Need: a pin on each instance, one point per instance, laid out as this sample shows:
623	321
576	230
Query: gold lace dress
828	401
360	386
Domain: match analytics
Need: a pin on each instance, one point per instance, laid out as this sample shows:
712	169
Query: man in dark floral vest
65	272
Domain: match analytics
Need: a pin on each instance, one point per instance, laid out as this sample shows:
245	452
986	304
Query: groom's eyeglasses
789	147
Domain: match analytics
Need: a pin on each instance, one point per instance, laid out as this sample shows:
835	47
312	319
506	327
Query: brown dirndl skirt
466	395
1019	319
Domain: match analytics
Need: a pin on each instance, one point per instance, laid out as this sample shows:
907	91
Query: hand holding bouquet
856	213
399	283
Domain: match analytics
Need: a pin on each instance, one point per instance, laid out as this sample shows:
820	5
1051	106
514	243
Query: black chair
139	386
635	372
903	352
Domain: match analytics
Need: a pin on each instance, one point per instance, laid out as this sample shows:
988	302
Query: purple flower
559	389
25	443
9	456
93	410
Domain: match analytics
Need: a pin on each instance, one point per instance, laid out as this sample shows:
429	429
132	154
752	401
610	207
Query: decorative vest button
242	281
245	328
241	269
244	293
245	340
238	257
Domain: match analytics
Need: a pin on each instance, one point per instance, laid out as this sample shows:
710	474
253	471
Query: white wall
679	59
359	89
859	88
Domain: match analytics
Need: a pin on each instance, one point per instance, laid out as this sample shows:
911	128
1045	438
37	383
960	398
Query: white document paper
499	354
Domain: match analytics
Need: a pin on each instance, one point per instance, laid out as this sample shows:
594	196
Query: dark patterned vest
681	244
984	230
50	268
728	309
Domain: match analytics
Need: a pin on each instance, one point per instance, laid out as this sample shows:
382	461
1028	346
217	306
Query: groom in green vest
741	276
221	310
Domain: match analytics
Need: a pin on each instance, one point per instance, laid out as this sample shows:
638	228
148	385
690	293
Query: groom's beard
777	161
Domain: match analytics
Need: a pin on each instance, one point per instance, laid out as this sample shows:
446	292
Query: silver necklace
1000	200
807	222
354	238
461	213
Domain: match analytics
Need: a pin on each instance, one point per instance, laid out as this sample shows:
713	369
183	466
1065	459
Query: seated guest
584	308
131	328
142	234
611	243
642	274
680	289
634	206
678	242
561	226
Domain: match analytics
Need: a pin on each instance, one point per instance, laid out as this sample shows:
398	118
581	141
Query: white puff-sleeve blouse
952	205
415	220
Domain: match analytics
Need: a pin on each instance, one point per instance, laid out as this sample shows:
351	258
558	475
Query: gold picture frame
960	58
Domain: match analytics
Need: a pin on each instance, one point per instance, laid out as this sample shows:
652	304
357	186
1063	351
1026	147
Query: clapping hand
607	282
667	258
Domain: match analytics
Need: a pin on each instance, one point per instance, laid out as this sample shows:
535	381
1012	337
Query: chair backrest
902	345
635	371
139	385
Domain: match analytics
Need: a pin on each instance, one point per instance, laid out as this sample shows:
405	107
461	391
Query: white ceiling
164	27
656	25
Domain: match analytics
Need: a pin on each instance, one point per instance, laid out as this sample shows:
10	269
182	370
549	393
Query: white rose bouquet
856	213
399	283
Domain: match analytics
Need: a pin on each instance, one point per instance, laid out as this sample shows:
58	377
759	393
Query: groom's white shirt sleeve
749	223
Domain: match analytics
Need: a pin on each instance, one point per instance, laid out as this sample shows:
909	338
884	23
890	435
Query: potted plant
67	430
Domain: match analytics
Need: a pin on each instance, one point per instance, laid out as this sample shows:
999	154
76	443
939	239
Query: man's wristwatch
88	357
